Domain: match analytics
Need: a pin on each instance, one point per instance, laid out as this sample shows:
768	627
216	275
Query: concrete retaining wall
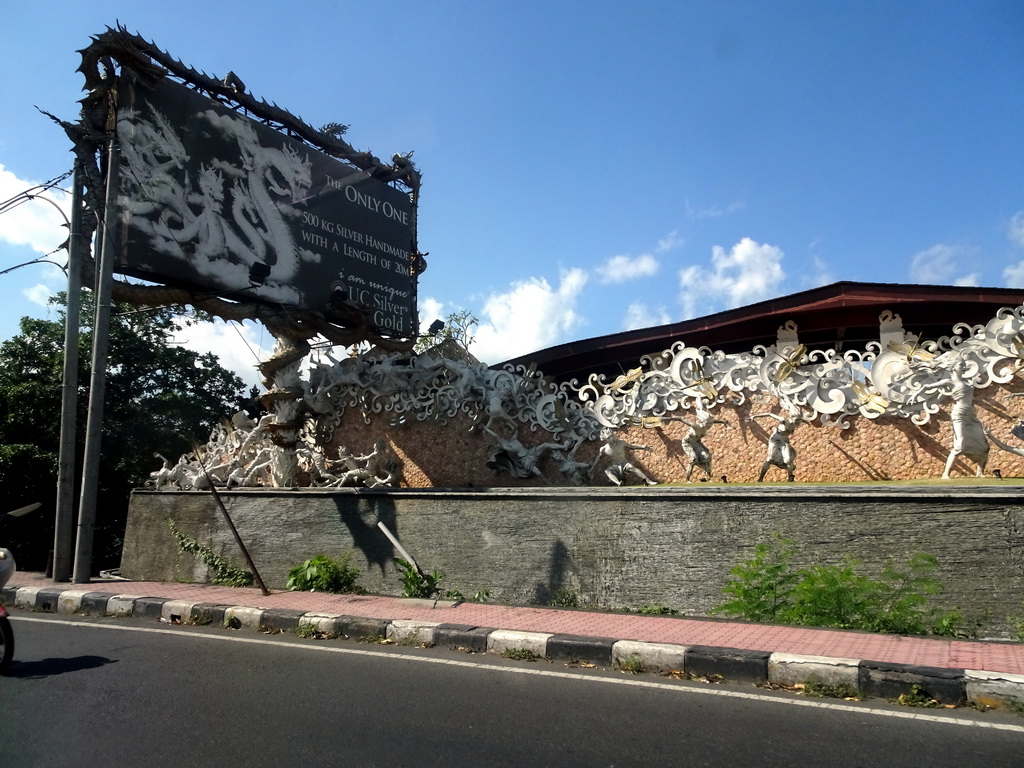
611	547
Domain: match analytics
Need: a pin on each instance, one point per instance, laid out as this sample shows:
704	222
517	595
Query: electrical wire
27	196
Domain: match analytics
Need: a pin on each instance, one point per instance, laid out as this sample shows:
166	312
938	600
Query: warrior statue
781	452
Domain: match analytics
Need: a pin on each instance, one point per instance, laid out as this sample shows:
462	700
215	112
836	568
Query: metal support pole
63	528
399	547
98	378
238	539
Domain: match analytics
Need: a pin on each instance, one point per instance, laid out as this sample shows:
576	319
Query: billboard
211	199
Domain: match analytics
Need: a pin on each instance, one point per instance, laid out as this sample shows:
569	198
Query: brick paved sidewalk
918	651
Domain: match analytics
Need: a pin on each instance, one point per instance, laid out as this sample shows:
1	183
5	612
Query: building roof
839	316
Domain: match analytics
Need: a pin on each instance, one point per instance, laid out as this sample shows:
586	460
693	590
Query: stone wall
611	547
452	455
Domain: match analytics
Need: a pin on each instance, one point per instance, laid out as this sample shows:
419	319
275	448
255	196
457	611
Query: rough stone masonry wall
450	455
611	547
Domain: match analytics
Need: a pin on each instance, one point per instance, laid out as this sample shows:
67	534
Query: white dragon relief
228	218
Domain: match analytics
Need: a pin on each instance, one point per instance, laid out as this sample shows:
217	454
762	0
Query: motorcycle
7	569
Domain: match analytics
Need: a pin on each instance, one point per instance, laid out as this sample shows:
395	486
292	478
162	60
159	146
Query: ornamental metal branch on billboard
219	194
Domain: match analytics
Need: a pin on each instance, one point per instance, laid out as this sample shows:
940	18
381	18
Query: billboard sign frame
239	208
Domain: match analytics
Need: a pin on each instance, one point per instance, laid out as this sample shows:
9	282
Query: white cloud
714	211
749	272
669	242
39	294
35	223
429	311
531	315
1015	229
53	281
240	347
940	264
639	315
819	275
619	269
1014	275
690	282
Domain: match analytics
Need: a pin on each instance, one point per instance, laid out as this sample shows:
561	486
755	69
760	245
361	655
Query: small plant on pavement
823	690
313	632
632	664
477	597
519	654
657	610
321	574
415	583
564	598
1017	626
918	697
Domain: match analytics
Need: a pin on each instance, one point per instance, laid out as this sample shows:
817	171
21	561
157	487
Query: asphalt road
88	692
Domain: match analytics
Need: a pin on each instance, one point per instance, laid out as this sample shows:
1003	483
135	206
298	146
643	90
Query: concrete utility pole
98	378
63	534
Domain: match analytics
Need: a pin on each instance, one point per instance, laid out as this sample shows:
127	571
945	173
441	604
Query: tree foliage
159	396
458	327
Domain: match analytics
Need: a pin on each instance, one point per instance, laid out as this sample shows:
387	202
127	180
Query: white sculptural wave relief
899	376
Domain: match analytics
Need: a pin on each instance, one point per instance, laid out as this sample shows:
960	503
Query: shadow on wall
985	400
559	567
361	522
671	445
869	471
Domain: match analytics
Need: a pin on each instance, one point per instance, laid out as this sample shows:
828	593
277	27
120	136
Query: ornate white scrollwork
898	376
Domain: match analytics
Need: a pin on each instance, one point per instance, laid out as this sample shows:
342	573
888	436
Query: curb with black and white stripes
869	678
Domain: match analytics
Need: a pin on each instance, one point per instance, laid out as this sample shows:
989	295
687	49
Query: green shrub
321	574
417	584
761	587
767	588
832	596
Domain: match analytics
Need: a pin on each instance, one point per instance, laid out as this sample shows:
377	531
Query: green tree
159	397
458	327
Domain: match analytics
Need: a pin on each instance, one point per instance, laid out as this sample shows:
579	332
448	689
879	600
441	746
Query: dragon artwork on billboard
213	199
237	207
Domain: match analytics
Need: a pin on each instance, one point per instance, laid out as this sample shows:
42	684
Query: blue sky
590	167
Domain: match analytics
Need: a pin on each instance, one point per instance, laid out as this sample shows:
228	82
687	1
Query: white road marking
314	646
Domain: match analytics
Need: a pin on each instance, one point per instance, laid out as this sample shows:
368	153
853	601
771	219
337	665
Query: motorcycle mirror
25	510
